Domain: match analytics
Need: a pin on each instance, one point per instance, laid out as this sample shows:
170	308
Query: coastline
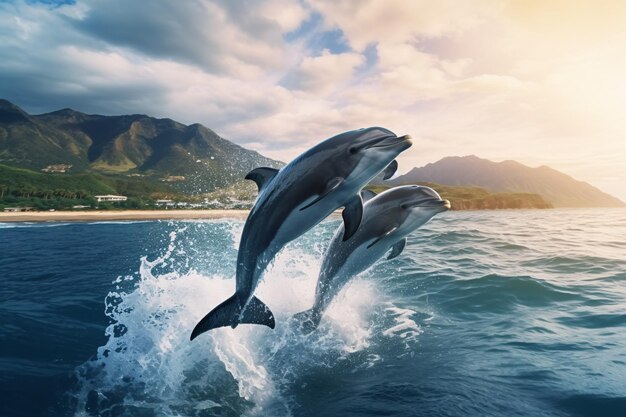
85	216
127	215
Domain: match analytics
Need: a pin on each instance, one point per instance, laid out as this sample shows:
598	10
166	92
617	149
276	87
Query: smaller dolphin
387	219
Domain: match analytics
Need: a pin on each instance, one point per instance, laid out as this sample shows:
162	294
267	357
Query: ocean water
506	313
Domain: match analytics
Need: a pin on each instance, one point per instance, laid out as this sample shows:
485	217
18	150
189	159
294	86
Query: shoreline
85	216
205	214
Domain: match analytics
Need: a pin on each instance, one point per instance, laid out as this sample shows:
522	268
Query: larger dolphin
387	219
294	199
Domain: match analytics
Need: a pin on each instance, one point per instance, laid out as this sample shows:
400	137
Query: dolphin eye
353	149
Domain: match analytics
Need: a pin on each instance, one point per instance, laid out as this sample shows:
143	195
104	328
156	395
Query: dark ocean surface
506	313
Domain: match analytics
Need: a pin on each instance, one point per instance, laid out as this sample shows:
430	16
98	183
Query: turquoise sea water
507	313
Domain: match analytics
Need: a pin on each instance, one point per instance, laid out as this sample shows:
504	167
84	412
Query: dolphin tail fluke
256	312
229	314
220	316
307	321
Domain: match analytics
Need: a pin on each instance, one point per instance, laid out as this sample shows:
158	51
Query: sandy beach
86	216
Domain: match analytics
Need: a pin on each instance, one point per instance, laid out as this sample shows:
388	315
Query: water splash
149	365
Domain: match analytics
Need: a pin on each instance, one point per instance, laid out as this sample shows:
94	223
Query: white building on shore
17	209
167	203
110	197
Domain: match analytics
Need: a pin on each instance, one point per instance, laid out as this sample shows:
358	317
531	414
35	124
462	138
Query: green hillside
42	191
23	187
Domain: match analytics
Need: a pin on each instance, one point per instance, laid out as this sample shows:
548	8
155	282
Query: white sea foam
149	362
118	222
16	225
56	223
405	327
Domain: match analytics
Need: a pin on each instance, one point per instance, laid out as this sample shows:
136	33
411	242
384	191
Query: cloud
540	82
399	21
239	38
326	72
50	64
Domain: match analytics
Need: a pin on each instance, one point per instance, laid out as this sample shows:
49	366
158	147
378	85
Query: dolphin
294	199
387	219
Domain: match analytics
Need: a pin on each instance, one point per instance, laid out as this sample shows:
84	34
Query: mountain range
193	158
162	154
555	187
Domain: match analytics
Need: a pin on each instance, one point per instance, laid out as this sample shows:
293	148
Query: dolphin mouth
391	141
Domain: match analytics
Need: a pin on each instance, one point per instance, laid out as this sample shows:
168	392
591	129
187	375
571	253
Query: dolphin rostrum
294	199
387	219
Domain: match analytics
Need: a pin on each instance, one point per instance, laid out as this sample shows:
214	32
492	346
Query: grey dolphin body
296	198
387	219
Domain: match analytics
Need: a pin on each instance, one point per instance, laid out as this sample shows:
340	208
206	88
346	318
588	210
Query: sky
540	82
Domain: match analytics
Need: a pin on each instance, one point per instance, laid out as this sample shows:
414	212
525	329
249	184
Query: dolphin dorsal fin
397	248
390	170
386	233
261	176
352	215
367	195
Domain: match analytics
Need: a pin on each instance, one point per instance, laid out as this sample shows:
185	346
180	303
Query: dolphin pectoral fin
330	186
352	215
307	321
397	248
387	232
222	315
390	170
256	312
367	195
261	176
